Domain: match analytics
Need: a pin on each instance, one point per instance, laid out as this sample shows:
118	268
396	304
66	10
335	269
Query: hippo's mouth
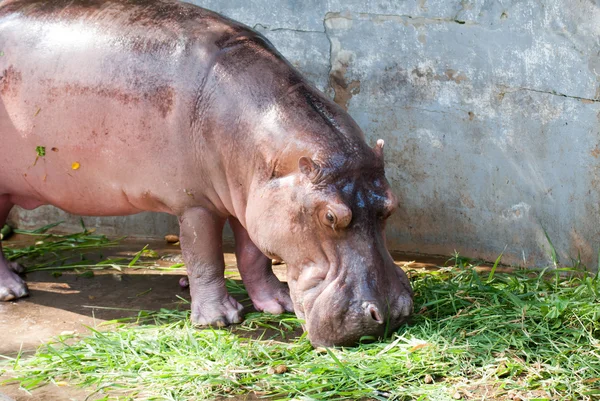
305	303
323	311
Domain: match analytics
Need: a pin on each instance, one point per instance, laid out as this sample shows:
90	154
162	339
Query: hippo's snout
336	320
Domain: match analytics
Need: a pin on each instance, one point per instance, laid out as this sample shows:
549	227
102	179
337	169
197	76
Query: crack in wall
328	89
295	30
268	28
402	18
455	111
338	87
278	29
553	93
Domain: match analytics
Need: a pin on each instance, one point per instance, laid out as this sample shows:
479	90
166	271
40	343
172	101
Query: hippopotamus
114	107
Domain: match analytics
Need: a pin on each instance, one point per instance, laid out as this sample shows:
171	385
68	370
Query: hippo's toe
276	300
224	314
12	286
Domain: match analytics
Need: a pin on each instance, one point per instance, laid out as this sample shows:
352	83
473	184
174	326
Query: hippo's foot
270	296
229	311
11	285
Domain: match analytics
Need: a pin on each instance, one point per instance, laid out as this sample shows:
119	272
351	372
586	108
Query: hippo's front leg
267	293
201	244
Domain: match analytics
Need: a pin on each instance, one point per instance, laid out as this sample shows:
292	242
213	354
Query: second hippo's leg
201	244
267	293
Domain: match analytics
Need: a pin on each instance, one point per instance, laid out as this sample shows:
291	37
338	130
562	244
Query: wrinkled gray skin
171	108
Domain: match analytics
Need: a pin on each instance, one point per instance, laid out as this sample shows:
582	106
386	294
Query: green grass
533	335
76	252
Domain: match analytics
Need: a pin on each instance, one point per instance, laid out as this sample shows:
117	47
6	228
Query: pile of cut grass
529	335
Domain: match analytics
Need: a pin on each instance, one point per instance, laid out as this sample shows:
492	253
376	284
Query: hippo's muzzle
345	312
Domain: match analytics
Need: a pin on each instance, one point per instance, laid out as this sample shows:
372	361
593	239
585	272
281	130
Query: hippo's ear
308	167
378	149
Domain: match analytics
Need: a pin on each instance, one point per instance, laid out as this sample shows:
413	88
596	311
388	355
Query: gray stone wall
490	111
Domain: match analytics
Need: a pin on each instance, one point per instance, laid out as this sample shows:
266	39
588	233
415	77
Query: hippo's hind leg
11	285
201	243
267	293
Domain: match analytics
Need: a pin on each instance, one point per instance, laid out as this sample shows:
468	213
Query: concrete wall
490	111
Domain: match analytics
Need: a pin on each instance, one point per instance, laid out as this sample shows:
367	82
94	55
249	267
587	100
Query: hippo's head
326	220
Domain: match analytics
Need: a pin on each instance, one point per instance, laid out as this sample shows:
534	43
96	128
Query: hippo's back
161	19
150	39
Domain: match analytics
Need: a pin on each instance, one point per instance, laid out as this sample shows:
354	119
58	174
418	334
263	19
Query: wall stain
466	200
343	90
449	75
452	75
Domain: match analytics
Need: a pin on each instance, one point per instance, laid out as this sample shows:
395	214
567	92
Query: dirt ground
69	303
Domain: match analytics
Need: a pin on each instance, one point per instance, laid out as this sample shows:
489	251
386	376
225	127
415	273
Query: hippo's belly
103	155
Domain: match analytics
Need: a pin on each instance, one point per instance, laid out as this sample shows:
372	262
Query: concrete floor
70	302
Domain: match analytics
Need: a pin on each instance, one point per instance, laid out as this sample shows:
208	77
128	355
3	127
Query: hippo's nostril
374	313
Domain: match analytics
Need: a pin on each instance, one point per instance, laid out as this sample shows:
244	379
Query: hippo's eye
335	216
330	218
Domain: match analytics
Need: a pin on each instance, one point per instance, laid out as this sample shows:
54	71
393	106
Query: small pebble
280	369
428	379
457	396
277	370
184	282
171	238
